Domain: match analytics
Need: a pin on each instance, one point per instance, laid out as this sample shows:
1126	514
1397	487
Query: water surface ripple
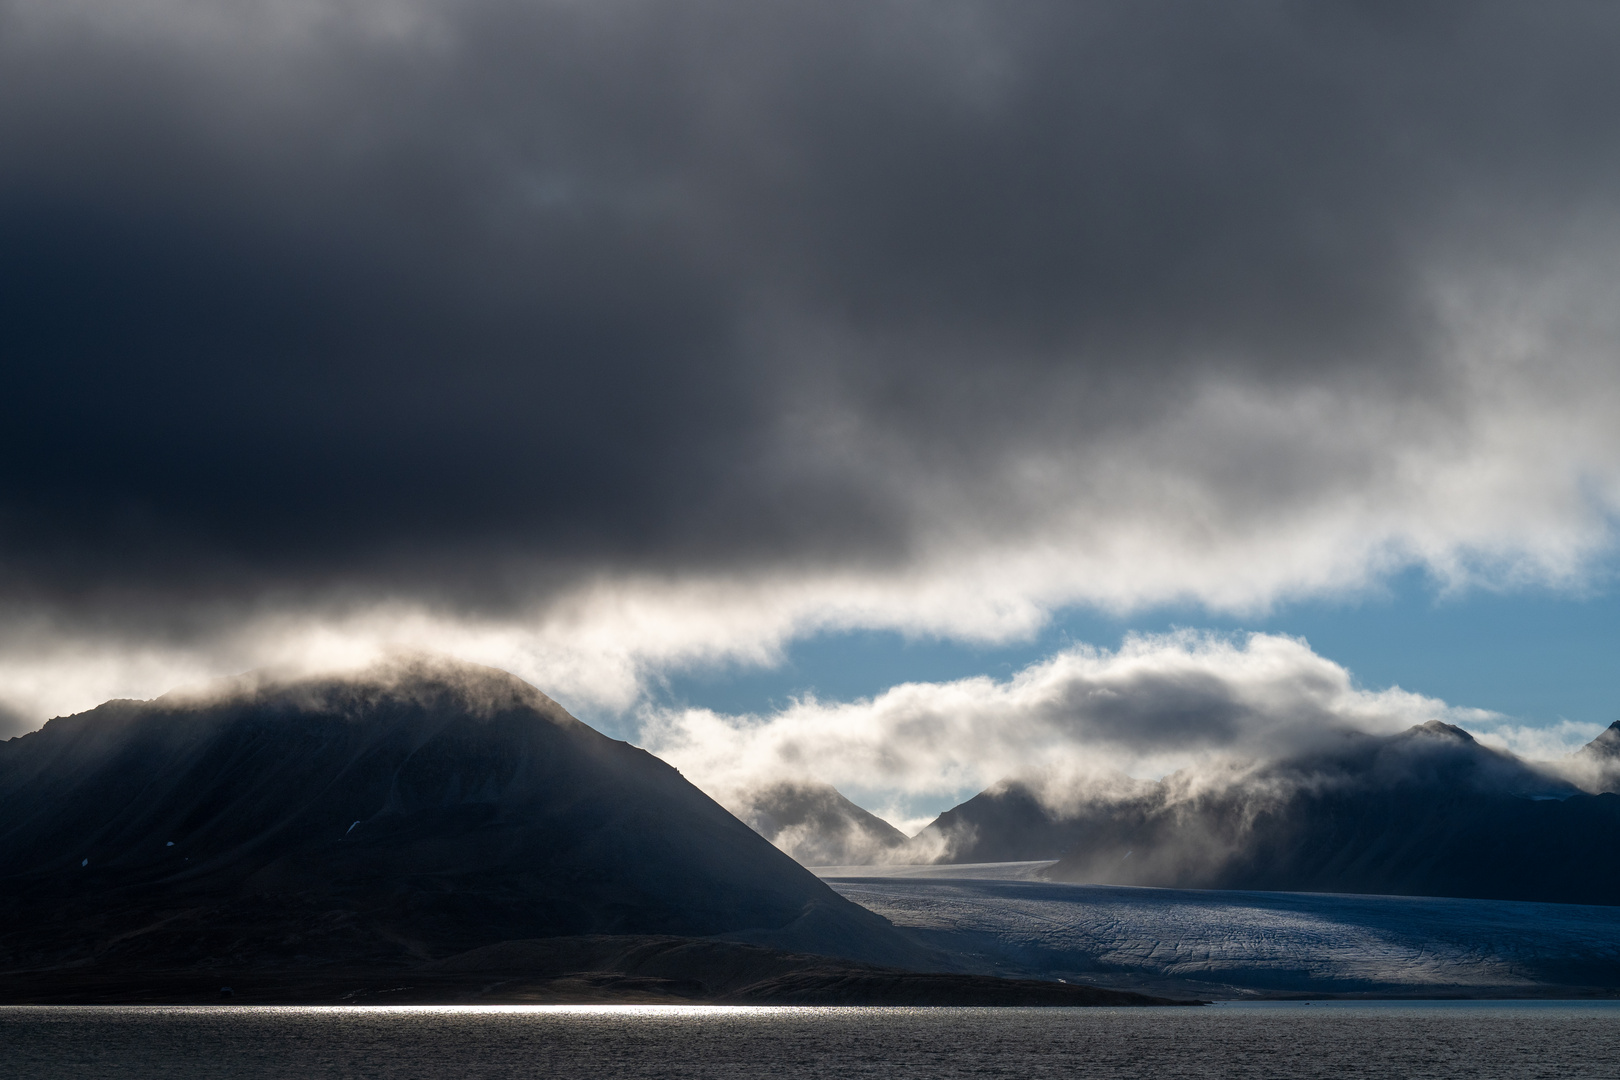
1451	1040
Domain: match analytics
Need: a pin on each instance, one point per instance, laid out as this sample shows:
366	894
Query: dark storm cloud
458	301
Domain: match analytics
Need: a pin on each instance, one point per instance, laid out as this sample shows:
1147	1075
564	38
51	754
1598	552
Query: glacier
1002	918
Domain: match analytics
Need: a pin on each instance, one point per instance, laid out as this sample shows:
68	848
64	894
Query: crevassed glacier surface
1001	917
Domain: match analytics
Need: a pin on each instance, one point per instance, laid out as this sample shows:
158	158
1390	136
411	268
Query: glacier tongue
1001	918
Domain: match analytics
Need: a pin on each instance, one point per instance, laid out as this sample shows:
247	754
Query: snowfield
1002	917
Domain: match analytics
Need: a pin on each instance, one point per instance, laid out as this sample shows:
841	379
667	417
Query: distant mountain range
439	820
1428	812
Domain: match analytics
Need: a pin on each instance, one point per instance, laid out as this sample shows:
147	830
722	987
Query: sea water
1562	1040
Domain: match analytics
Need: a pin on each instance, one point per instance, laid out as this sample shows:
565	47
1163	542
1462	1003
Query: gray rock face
422	809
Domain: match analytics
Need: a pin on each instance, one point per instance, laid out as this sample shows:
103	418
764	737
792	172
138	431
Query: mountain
1428	812
1606	747
420	809
1018	821
816	825
1596	766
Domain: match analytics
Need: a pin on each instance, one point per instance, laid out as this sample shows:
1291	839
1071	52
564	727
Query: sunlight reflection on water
1284	1040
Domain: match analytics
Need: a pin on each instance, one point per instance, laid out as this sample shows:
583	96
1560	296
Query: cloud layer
591	339
1065	725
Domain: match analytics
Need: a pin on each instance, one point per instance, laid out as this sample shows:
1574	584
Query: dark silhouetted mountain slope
421	810
1428	812
1011	822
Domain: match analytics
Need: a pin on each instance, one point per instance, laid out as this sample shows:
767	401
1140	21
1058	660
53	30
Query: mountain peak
1606	746
405	676
427	800
818	826
1441	729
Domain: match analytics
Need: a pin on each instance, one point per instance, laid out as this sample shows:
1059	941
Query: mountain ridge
1429	811
422	808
